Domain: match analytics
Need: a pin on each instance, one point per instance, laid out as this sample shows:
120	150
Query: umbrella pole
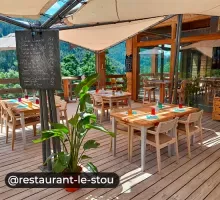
178	36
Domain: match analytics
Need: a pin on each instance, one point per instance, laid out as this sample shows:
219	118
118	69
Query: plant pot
73	189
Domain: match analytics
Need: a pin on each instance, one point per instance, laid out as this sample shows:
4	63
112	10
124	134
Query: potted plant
74	147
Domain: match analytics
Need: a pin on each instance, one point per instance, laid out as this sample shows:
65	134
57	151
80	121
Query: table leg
114	138
129	102
23	129
110	104
143	146
162	92
171	147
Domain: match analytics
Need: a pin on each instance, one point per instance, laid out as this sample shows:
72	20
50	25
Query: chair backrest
97	99
145	82
3	105
195	117
63	105
10	112
57	99
183	85
167	126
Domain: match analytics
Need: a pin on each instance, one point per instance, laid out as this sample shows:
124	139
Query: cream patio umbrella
25	8
8	42
205	47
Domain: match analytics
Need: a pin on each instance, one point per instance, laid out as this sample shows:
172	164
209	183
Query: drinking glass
30	104
19	99
153	111
129	111
180	105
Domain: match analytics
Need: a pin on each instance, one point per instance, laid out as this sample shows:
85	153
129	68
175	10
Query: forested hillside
78	61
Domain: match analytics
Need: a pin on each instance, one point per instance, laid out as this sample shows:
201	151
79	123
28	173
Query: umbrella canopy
155	50
25	8
101	11
118	10
8	42
205	47
102	37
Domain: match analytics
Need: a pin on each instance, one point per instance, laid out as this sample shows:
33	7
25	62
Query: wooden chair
191	126
181	92
123	128
3	114
100	105
159	138
13	122
57	99
148	90
63	112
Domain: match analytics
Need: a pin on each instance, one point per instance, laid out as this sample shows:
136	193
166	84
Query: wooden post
172	58
100	69
129	74
135	69
153	64
66	89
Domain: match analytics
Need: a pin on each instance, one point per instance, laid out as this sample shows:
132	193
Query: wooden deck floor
198	178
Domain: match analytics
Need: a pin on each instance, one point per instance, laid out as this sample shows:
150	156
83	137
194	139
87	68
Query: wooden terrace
196	178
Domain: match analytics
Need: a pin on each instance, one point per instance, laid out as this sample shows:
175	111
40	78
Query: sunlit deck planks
197	178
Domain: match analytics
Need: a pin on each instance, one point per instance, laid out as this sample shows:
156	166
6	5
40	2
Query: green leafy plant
74	146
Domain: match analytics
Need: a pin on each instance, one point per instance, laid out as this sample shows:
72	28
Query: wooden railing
10	90
11	81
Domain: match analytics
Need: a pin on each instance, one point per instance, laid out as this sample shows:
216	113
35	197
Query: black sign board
38	57
216	58
128	63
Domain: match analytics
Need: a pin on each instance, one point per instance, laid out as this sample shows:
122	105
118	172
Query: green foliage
71	66
83	121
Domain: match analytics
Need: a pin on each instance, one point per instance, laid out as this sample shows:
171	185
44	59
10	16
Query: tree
88	64
70	66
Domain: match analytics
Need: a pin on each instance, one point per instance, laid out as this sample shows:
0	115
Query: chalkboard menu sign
216	58
38	57
128	63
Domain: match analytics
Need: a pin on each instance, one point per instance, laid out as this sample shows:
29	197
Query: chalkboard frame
38	55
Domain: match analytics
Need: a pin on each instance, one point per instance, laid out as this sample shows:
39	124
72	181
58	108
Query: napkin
151	117
21	106
133	112
12	101
179	109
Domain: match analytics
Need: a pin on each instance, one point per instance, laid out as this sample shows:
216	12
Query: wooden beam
154	43
135	68
186	19
100	69
213	36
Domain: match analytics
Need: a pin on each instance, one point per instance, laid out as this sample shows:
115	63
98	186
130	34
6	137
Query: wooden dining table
162	84
24	110
107	95
141	120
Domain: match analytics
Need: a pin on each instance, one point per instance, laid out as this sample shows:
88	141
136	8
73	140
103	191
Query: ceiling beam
213	36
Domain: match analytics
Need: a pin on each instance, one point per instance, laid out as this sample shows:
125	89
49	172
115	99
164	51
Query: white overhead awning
95	11
99	11
25	8
205	47
8	42
102	37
